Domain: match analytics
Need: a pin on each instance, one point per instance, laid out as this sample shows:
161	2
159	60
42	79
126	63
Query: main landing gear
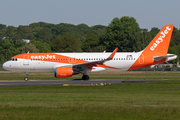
26	77
85	77
84	72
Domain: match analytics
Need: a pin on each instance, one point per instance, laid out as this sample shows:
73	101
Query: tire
26	78
85	77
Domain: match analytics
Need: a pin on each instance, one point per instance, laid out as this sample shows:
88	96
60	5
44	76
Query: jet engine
63	72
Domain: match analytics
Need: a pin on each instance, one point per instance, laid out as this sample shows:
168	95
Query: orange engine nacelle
63	72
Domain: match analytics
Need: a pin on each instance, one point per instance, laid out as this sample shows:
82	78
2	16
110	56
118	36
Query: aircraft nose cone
4	66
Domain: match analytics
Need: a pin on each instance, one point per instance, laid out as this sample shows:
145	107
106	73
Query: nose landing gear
26	77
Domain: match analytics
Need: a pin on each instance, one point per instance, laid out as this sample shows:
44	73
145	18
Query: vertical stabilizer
160	44
156	51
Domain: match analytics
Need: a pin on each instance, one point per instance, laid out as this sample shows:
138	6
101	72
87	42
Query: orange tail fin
160	43
158	47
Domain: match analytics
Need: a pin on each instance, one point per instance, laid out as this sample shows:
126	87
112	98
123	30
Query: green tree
8	44
11	31
2	26
66	43
141	38
45	34
3	32
24	31
154	31
92	44
118	34
175	50
31	48
7	50
175	40
83	27
99	29
42	46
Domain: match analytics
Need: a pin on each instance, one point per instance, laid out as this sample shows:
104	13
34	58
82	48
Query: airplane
67	64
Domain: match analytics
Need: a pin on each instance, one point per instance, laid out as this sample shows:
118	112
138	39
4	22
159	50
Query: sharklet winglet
112	55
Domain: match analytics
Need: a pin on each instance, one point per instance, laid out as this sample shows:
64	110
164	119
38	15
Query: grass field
157	101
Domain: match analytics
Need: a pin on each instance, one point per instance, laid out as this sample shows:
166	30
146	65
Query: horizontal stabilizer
168	57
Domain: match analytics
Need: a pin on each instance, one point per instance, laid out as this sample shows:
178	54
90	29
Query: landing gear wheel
85	77
26	78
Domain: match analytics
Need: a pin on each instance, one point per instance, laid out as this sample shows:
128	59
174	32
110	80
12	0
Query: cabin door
26	60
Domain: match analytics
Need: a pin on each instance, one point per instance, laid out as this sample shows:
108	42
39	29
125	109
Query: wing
94	63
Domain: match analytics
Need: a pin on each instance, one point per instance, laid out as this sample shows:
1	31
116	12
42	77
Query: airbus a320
67	64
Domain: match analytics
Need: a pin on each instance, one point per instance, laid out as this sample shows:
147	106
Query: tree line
123	33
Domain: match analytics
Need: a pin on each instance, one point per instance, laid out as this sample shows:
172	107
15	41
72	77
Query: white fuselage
121	62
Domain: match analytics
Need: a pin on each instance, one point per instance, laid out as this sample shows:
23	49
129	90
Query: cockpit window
13	59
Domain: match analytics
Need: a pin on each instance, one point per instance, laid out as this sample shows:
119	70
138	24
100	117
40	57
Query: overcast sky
148	13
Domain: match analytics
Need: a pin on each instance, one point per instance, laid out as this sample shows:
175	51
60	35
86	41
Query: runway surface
70	82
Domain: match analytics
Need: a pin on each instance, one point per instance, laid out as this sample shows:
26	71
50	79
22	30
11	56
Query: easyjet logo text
160	39
43	57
